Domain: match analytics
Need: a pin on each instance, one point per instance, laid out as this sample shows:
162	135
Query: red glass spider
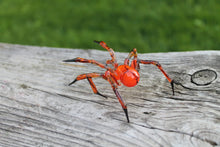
126	74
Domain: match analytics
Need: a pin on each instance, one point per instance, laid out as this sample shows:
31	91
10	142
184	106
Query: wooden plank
38	108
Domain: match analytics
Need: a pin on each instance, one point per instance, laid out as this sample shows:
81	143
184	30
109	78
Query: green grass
148	25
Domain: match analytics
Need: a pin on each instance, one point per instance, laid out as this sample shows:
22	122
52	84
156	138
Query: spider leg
94	88
134	63
130	55
82	60
89	77
161	69
111	52
121	101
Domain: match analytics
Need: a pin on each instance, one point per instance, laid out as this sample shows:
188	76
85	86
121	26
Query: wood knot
203	77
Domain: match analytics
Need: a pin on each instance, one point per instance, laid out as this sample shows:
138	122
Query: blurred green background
148	25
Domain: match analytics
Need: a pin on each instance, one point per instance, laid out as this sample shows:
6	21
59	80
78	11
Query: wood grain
38	108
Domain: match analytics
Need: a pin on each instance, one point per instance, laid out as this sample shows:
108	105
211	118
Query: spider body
126	74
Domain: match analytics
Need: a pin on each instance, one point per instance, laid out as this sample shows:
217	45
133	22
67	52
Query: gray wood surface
38	108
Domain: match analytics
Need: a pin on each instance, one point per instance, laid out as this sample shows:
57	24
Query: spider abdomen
128	75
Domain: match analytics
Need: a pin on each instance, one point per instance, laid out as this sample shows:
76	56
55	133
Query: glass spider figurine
126	74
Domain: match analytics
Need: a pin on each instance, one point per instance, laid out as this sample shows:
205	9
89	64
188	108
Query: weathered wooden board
38	108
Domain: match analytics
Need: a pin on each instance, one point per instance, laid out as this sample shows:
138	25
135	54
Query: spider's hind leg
82	60
161	69
89	77
111	52
134	63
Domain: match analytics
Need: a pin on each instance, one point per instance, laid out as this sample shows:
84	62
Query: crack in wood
179	132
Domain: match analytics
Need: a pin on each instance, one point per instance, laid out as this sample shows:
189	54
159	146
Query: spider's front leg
114	87
124	106
89	77
161	69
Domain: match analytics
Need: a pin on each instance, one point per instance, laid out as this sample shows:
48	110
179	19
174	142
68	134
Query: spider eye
130	78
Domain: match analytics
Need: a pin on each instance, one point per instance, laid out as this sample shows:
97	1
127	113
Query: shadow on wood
38	108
